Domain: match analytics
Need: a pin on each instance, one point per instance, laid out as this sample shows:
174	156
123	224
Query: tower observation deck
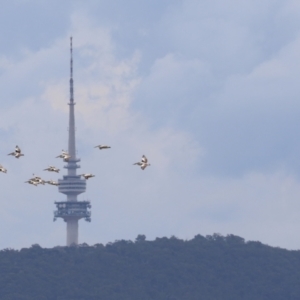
72	210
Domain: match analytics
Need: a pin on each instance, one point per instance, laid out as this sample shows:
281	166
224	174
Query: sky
208	90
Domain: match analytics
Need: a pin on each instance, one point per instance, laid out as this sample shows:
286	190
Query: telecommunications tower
72	184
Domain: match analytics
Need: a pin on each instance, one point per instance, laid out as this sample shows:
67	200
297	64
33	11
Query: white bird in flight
52	182
87	175
17	153
2	169
30	181
143	163
64	155
52	169
102	147
37	179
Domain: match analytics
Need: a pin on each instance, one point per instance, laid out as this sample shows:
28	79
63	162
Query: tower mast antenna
71	72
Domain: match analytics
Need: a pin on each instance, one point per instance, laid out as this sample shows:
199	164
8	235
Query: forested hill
208	268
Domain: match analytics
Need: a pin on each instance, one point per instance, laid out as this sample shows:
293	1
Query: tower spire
72	145
71	72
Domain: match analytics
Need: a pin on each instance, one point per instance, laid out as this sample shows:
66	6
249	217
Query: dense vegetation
208	268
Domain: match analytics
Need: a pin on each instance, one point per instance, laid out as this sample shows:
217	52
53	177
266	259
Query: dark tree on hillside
210	268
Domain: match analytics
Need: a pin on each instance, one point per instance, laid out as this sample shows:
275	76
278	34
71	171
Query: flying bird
30	181
52	169
37	179
143	163
2	169
87	175
64	155
102	147
52	182
17	153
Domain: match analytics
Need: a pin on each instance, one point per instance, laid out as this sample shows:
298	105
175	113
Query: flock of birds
35	180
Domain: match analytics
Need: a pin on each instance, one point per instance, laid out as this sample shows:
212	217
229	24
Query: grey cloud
243	123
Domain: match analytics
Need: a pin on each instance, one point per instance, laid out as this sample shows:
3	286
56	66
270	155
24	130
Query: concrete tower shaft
72	231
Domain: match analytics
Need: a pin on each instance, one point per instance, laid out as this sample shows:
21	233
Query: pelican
52	169
37	179
2	169
64	154
143	163
87	176
17	153
102	147
52	182
30	181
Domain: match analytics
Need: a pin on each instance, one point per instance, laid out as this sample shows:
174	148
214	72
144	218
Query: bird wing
144	159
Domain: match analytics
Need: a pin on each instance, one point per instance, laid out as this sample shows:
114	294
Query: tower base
72	231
